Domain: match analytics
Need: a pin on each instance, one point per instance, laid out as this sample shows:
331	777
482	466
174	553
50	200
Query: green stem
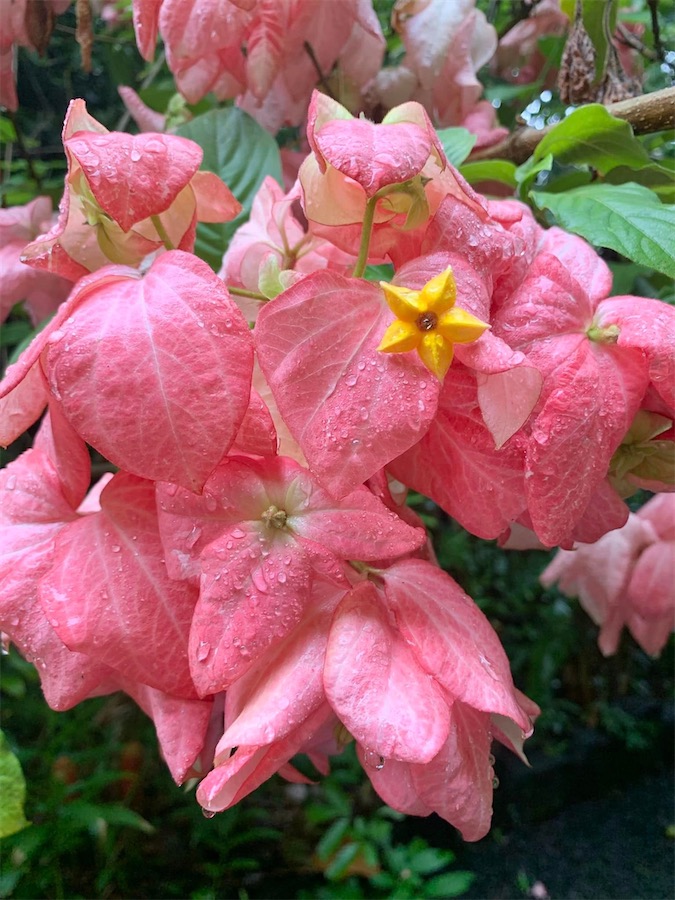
161	231
242	292
368	218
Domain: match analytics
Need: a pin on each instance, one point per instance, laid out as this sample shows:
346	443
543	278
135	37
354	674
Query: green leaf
7	131
12	333
457	143
242	153
332	839
628	218
659	177
429	860
490	170
383	272
12	792
339	865
507	92
90	815
450	885
592	136
529	170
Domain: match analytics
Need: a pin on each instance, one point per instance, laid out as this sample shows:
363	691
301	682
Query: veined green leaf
591	136
628	218
457	143
490	170
659	177
242	153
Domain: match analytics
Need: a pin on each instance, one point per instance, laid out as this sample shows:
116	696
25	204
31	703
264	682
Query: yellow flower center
428	321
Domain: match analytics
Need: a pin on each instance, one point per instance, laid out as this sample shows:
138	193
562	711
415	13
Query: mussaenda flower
428	321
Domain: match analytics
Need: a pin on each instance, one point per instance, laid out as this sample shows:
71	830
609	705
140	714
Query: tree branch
647	114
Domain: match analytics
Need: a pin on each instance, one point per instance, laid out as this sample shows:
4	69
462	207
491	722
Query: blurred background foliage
106	819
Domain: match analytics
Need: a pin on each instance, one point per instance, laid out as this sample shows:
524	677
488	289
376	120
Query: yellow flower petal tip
428	321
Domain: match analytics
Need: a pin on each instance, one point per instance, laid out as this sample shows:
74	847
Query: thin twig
98	38
25	152
646	114
627	37
656	28
315	62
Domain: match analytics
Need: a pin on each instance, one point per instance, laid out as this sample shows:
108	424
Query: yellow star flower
428	321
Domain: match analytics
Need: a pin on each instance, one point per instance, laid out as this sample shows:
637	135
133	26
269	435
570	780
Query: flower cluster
248	571
626	578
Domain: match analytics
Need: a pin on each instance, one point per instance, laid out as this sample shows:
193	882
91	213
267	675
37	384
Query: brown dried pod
39	23
577	67
84	34
616	85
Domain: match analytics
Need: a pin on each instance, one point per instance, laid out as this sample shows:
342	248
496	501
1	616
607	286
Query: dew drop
487	665
208	813
154	146
135	155
258	579
373	760
495	783
281	577
203	650
193	537
10	484
351	380
363	414
115	548
211	503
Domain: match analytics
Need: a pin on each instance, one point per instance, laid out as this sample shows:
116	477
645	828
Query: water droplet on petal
203	650
193	537
351	380
258	579
208	813
115	548
373	760
135	155
154	146
10	484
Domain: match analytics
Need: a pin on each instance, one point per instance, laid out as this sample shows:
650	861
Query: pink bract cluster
626	578
250	574
270	54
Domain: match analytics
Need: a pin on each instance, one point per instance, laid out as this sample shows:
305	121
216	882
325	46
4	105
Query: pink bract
189	346
109	213
350	408
257	538
42	292
626	578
